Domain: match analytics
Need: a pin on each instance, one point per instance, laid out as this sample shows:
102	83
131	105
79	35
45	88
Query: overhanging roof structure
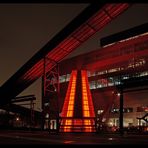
120	53
90	21
123	54
124	34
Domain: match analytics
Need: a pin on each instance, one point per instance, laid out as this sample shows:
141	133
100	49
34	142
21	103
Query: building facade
107	68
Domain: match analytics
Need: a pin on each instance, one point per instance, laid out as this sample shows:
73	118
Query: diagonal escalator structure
78	111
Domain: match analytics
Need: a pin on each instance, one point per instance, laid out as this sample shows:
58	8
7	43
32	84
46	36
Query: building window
62	78
128	110
115	110
142	109
92	85
125	110
110	81
67	77
46	104
100	111
47	115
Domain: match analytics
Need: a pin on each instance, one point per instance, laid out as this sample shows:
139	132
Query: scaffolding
50	88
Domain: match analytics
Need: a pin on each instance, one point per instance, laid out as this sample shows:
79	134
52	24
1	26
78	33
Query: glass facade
125	110
104	82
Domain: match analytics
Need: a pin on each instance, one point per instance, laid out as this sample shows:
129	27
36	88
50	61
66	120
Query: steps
78	111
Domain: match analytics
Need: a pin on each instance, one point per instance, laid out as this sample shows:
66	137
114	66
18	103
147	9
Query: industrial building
105	89
105	79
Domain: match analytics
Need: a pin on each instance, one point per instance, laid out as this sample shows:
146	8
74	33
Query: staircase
78	111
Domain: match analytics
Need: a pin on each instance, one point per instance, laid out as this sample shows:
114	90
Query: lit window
100	112
46	104
62	78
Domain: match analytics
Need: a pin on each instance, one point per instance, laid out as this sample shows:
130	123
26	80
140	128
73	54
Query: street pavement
12	137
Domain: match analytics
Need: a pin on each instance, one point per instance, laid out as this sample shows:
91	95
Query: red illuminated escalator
68	107
87	105
76	118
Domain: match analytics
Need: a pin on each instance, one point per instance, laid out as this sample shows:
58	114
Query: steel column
121	113
50	87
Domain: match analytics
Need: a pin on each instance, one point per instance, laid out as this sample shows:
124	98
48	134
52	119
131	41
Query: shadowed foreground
43	137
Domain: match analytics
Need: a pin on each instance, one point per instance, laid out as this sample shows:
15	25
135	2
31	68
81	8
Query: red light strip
68	107
87	105
31	73
69	43
116	9
100	19
83	33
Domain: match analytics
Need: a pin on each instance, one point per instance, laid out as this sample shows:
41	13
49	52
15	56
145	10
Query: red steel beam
85	31
61	45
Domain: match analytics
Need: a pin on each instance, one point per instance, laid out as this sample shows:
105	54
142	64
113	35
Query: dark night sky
25	28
